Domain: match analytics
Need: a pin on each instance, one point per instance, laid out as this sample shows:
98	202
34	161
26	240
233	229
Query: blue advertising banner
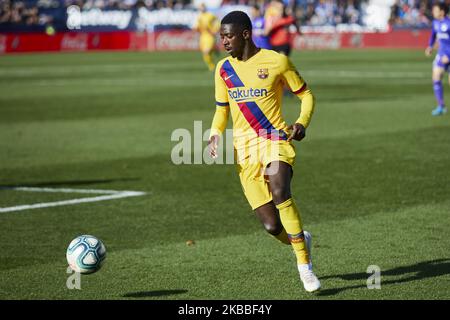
73	18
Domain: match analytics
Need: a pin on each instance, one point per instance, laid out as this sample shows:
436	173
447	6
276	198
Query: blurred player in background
278	21
208	26
260	39
441	32
249	85
272	13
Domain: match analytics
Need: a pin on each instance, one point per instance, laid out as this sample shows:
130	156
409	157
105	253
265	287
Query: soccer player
440	31
258	24
249	85
207	25
277	27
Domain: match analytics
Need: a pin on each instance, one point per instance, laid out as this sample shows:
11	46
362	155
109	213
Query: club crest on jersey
263	73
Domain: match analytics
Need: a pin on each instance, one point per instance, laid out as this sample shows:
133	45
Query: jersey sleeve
291	76
281	23
220	119
299	87
307	109
221	93
432	38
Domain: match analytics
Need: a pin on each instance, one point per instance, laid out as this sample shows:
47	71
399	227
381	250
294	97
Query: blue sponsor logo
244	94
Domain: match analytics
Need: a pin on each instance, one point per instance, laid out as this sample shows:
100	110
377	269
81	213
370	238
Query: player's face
232	39
255	13
438	13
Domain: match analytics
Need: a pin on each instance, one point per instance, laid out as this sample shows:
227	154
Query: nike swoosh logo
226	78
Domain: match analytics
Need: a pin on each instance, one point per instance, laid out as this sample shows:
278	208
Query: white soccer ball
86	254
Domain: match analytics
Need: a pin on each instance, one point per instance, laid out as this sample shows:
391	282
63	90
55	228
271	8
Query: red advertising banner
176	40
179	40
394	39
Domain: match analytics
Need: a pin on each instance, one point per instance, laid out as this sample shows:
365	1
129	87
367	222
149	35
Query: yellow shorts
251	167
207	42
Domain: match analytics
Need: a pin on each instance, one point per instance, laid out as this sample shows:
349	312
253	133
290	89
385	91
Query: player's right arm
429	49
220	119
281	23
299	87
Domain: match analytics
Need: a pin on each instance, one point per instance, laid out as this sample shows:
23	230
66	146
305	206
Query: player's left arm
431	42
299	87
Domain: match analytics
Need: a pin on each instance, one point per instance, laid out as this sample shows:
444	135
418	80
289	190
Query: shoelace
308	276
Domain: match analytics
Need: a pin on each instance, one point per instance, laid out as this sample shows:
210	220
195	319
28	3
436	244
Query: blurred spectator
411	13
43	12
18	12
404	13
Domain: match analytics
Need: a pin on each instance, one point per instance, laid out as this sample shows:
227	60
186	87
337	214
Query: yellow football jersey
252	91
207	23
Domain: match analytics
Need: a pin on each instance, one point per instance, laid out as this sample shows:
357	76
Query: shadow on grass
418	271
65	183
156	293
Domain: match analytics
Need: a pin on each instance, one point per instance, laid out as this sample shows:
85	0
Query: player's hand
428	51
298	132
213	143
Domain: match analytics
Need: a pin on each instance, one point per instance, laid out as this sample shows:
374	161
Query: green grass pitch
372	180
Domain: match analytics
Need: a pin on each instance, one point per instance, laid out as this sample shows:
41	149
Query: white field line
66	190
106	195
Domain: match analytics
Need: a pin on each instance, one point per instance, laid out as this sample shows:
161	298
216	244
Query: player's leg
280	186
256	190
287	49
207	43
208	59
270	218
438	71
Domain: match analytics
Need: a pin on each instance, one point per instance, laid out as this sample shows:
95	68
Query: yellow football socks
290	218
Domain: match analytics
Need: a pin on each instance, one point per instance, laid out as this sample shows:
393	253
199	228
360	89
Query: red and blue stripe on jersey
250	110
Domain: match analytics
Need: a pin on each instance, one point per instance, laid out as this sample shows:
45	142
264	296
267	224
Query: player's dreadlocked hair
238	18
442	6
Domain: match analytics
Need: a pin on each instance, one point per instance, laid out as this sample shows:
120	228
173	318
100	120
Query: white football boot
310	282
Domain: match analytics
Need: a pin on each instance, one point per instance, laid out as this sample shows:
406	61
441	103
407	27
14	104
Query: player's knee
437	74
273	227
280	195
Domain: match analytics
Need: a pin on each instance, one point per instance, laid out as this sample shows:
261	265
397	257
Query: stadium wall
179	40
